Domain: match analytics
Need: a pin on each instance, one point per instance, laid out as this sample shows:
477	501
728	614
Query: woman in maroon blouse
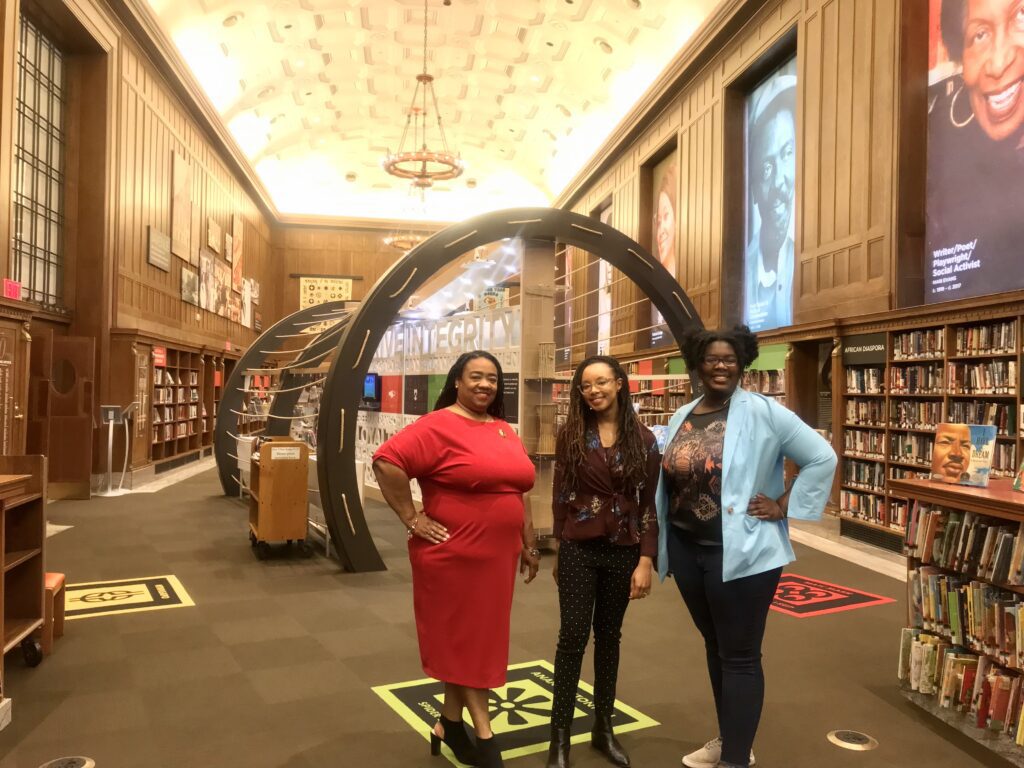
606	474
466	543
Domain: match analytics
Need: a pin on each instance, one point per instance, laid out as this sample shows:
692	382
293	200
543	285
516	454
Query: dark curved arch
268	343
336	428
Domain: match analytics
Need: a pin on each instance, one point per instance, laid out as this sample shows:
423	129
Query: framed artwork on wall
194	242
189	286
181	205
237	232
228	245
318	290
207	279
222	288
214	236
159	251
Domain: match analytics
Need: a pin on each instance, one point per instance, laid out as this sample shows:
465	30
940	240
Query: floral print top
693	473
603	506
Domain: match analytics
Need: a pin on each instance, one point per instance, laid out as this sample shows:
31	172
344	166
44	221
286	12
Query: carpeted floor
275	663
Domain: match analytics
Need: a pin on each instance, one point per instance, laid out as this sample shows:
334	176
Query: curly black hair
743	341
448	394
571	443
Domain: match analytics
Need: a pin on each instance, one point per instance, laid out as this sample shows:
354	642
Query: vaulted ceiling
315	92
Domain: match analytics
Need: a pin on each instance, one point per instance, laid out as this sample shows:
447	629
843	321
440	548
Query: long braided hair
571	444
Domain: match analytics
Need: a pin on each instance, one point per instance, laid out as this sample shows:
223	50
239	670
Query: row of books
175	395
868	380
917	344
915	414
910	447
992	338
992	377
864	442
868	475
982	412
163	377
868	413
970	612
961	681
863	506
166	413
164	432
765	382
916	379
896	472
965	542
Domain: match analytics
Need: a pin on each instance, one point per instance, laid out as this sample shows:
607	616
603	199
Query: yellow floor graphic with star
104	598
520	711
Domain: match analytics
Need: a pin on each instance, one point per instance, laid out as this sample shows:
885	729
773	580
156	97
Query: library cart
277	495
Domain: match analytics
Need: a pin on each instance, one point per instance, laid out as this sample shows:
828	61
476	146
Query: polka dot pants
593	589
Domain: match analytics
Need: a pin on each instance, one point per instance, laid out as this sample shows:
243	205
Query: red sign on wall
159	357
12	289
217	378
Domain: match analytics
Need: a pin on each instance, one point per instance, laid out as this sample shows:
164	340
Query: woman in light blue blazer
722	508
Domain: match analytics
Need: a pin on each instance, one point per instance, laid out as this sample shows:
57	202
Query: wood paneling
850	55
328	251
154	124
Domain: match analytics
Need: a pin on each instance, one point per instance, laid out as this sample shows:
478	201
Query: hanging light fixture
422	165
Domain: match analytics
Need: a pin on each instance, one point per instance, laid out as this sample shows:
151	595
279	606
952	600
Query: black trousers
593	590
731	616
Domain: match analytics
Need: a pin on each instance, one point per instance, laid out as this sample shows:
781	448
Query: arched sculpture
358	340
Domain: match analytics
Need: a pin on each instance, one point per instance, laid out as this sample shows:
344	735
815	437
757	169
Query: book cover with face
963	453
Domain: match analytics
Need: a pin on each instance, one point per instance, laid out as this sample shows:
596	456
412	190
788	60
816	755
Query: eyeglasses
712	361
600	384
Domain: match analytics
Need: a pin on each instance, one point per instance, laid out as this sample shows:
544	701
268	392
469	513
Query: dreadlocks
571	446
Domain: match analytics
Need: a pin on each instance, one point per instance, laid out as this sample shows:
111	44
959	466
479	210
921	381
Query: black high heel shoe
457	739
489	753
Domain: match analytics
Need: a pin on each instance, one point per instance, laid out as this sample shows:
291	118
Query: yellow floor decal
103	598
520	711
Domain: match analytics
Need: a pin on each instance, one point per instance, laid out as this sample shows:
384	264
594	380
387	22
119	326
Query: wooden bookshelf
948	572
943	369
176	419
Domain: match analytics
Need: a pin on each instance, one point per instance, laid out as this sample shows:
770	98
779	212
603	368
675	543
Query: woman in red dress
465	544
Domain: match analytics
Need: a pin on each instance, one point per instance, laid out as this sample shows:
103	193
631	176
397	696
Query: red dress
472	476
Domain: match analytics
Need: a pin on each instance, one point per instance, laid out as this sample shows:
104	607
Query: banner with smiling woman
664	245
975	189
770	184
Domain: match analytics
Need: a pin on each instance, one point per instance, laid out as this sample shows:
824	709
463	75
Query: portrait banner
237	240
975	179
664	240
769	202
181	205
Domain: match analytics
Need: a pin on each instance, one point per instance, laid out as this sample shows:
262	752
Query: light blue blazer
759	434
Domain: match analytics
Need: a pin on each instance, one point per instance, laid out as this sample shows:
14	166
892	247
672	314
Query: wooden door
61	423
14	366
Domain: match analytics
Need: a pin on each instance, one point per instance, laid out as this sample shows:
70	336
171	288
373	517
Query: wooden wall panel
848	65
153	125
328	251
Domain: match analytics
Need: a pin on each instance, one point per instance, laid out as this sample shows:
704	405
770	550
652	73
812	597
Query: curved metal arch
336	428
224	441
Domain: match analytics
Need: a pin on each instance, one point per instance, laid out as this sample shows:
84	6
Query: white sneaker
709	755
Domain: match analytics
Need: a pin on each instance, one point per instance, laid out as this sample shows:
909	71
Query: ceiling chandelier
421	164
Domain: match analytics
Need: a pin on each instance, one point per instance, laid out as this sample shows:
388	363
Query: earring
952	107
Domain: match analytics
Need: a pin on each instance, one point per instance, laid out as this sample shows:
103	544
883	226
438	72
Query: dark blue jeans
731	616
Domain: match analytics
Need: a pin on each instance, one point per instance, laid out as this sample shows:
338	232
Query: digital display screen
370	386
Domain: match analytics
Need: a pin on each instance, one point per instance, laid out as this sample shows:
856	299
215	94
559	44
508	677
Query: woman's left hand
529	564
640	582
764	508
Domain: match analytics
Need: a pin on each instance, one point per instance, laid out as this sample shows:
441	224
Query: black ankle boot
603	740
558	752
457	739
488	753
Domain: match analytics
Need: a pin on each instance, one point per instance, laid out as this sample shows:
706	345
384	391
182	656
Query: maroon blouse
603	505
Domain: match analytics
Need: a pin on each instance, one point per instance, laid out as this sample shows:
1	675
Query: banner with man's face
770	149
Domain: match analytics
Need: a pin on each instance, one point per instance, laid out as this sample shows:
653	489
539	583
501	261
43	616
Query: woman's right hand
429	529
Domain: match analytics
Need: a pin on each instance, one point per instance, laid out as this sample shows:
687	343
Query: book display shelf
177	421
962	651
960	372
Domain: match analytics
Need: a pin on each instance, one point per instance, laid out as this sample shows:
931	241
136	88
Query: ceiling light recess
422	165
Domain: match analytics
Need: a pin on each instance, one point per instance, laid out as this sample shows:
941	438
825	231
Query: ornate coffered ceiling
315	92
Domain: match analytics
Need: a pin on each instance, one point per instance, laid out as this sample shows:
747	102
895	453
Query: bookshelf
966	371
176	418
961	653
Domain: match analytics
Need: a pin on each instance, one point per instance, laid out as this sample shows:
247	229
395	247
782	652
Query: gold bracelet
412	526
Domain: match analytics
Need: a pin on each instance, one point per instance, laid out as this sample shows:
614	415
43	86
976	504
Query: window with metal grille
38	253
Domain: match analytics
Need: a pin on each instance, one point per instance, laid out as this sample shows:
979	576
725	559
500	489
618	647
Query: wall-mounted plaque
319	290
159	252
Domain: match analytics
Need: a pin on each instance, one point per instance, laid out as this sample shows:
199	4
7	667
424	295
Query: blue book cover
963	453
